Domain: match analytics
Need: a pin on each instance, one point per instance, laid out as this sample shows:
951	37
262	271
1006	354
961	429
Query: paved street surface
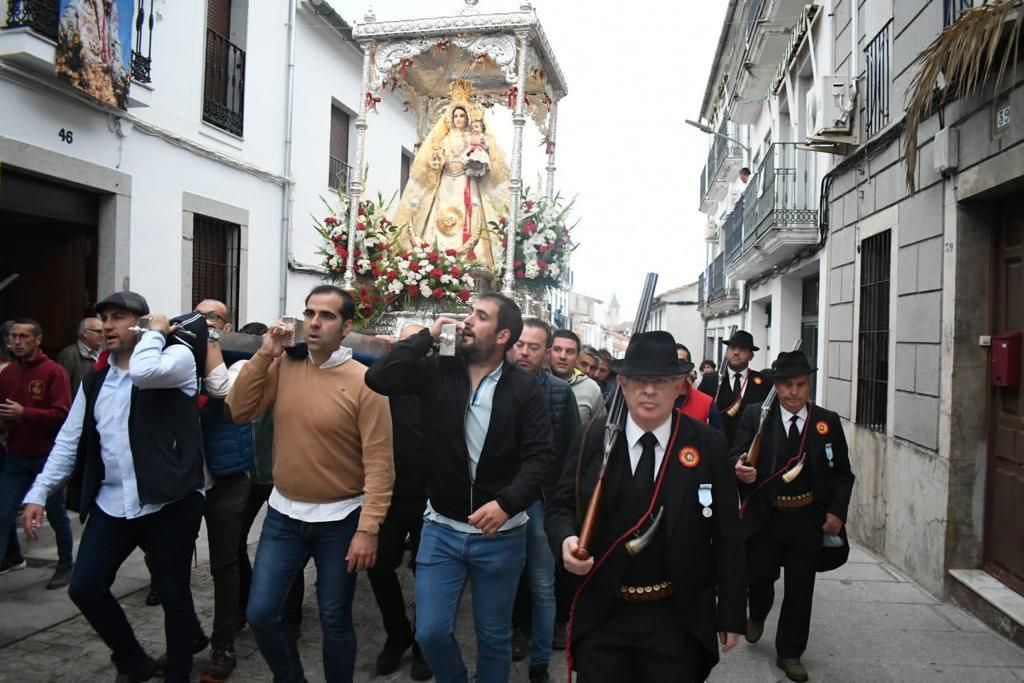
870	624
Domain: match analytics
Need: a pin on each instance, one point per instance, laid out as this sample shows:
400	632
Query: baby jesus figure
478	161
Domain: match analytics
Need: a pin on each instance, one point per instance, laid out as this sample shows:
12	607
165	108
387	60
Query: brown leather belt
652	593
794	502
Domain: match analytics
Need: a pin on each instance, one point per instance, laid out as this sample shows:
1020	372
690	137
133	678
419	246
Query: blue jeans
285	546
168	538
540	569
15	481
492	563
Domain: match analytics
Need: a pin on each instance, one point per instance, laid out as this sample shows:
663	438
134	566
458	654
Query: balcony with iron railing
29	33
719	295
733	229
953	9
725	159
780	211
224	84
338	174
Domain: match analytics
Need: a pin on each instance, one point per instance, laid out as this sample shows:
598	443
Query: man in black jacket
799	491
665	568
739	385
488	442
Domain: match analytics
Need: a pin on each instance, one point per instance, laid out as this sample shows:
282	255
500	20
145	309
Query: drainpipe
287	200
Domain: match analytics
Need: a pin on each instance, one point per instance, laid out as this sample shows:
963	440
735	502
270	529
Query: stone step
995	603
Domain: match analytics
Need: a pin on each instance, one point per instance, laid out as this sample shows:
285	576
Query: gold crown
460	90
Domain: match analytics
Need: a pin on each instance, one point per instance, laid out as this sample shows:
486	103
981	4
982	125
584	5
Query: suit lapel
674	487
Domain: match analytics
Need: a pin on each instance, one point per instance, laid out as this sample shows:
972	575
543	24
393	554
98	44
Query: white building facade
206	186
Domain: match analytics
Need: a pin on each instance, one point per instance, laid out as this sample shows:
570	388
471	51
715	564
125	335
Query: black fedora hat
742	339
650	354
790	364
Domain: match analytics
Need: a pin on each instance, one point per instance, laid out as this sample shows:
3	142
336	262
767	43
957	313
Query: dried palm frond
965	55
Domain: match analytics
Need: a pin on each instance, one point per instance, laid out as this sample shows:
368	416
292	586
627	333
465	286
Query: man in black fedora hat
739	385
663	583
794	507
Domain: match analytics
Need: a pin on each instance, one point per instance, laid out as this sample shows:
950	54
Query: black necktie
794	436
736	387
643	475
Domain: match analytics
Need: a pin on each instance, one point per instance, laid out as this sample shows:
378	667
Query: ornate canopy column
549	191
515	183
355	176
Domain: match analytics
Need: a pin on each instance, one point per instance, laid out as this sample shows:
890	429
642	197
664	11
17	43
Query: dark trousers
789	540
640	642
168	538
258	495
225	507
19	471
404	520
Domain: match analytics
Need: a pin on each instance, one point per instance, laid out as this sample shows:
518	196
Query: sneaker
539	674
222	663
152	598
61	577
420	670
12	566
561	633
390	658
147	672
520	644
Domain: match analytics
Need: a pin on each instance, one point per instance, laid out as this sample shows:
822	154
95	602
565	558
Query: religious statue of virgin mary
457	184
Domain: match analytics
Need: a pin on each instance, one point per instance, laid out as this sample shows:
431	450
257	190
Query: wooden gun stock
590	520
754	452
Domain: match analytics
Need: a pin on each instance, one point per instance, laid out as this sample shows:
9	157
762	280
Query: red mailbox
1006	359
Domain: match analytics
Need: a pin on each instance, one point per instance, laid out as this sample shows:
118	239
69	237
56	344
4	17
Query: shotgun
615	424
754	452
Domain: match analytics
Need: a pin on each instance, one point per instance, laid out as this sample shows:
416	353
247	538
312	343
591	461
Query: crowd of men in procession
484	462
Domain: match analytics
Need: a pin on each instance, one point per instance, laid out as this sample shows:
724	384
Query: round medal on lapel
821	427
689	456
757	380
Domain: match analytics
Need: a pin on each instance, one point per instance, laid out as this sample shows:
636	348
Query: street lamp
704	128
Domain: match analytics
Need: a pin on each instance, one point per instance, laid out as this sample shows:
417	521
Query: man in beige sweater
333	475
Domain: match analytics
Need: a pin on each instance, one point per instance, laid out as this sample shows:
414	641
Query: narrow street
869	624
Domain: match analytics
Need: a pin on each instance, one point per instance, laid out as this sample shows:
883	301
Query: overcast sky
635	70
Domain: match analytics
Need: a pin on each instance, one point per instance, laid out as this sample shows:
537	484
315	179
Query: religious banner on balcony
94	39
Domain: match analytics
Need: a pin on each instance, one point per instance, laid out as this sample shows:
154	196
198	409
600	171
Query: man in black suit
652	614
738	386
795	503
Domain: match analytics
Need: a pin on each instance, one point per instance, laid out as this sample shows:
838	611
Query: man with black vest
133	445
538	596
739	385
795	504
664	572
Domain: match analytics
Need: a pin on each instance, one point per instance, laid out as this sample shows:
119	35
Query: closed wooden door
1004	502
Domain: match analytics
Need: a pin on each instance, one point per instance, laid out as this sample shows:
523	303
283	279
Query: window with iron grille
873	336
338	166
216	260
878	85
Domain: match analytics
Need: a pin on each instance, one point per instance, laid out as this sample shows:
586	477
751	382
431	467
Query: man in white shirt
133	446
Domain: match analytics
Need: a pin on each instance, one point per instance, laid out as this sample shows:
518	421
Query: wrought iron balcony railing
338	173
952	9
701	296
39	15
781	193
142	63
224	83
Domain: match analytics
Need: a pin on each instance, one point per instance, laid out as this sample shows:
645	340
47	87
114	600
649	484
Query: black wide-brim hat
742	339
650	354
790	364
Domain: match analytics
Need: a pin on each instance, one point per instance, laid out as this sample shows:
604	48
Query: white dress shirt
316	512
786	416
633	434
151	367
744	374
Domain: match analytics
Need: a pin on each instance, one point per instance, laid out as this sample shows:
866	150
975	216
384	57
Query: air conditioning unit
830	110
711	231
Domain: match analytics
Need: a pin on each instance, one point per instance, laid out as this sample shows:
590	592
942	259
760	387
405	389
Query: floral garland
388	277
543	242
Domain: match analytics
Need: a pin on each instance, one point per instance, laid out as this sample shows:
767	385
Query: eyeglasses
212	316
99	331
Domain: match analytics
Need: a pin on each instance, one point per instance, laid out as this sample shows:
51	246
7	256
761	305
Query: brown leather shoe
755	629
795	671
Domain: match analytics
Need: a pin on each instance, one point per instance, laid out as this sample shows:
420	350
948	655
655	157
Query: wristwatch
213	335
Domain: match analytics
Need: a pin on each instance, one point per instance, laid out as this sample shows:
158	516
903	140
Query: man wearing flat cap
663	576
738	386
794	505
133	449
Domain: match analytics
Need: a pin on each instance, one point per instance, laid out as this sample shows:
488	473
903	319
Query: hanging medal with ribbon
828	455
704	498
